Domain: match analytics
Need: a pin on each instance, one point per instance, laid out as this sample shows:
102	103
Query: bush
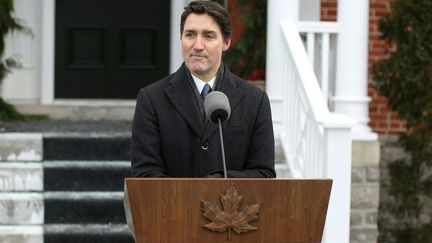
8	24
405	79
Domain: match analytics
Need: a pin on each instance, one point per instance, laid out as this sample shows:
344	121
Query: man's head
205	33
216	11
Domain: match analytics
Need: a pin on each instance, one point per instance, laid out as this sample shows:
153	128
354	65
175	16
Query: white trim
351	99
47	56
318	27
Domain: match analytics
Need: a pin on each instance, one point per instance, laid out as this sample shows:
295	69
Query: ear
226	44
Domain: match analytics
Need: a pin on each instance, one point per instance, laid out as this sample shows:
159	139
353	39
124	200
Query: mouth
195	56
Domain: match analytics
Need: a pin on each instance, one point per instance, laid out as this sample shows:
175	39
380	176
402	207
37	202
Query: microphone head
216	106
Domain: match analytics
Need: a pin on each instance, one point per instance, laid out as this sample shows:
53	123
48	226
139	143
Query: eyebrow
209	32
204	31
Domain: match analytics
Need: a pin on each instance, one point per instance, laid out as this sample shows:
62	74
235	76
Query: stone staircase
83	187
78	188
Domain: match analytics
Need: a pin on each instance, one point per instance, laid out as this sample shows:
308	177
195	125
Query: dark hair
215	10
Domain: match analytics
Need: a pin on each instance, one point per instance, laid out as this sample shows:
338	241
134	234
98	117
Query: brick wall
328	10
383	120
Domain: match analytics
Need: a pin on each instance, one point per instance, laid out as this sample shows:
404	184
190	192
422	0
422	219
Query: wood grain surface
169	210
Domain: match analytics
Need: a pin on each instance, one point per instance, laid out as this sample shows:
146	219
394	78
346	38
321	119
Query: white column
352	66
276	11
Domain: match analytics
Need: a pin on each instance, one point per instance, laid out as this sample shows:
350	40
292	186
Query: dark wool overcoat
170	136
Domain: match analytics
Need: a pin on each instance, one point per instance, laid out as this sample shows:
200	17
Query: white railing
317	143
320	42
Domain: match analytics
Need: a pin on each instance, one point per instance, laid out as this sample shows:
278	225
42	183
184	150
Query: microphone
216	106
218	110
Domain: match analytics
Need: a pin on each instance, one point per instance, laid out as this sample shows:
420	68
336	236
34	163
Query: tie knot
206	90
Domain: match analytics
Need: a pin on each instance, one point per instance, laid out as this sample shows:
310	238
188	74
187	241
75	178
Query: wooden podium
226	210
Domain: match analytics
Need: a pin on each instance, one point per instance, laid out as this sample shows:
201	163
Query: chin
197	70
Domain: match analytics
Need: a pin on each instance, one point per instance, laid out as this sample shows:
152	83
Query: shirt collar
200	84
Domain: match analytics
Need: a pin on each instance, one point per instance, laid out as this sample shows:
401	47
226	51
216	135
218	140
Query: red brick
378	117
325	4
383	119
381	13
374	5
373	109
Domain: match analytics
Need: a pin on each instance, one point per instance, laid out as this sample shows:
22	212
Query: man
170	135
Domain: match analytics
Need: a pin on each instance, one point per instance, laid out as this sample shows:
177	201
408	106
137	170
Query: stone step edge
21	147
77	195
86	164
86	228
86	135
117	110
21	230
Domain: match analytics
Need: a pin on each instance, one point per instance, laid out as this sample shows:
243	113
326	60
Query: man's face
202	45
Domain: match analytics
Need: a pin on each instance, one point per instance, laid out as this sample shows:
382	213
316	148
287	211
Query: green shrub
8	24
405	79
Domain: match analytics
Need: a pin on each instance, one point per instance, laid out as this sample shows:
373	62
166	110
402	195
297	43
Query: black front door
109	49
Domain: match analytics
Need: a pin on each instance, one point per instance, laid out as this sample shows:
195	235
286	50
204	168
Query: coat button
205	146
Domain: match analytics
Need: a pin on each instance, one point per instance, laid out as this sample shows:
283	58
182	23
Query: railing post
337	140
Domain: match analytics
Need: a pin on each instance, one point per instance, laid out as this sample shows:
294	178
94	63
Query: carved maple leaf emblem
231	218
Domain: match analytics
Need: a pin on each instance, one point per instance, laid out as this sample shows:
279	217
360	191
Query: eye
188	34
209	36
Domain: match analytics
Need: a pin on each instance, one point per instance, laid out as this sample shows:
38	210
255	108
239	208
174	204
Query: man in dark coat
171	136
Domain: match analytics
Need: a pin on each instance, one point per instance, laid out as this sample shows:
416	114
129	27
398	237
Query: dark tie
206	90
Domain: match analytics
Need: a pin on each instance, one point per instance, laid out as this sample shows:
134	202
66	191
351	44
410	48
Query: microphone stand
222	148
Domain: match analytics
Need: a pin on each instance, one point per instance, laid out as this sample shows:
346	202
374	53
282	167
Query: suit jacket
171	138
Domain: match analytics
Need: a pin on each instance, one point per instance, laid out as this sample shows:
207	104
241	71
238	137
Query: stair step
87	233
21	233
21	208
84	208
21	176
86	146
85	175
20	146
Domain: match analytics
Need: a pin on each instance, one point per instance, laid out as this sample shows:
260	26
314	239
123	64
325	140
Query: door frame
48	47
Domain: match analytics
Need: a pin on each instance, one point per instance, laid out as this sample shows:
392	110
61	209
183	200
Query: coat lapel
183	97
234	93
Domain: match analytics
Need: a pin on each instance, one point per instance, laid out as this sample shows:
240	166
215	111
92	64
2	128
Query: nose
198	44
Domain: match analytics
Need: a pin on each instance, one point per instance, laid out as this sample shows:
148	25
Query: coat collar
183	96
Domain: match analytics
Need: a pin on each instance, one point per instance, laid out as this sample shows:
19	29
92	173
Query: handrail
317	143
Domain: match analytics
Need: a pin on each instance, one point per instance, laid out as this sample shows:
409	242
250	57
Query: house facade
49	63
40	79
